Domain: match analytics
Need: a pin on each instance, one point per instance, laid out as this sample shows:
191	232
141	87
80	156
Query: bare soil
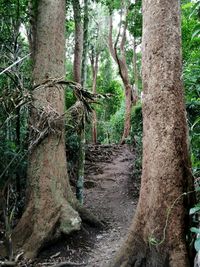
111	194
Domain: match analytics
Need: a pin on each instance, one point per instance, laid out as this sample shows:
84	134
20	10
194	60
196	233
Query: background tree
157	235
130	22
78	48
85	43
79	78
123	71
97	45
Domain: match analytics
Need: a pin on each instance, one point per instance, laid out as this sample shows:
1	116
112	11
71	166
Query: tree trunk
78	49
135	71
157	236
78	53
123	72
127	116
81	164
48	212
95	67
85	44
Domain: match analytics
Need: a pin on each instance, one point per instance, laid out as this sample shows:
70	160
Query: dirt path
111	194
113	201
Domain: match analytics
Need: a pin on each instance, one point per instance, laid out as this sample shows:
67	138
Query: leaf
195	230
194	9
195	33
196	122
197	244
196	30
194	210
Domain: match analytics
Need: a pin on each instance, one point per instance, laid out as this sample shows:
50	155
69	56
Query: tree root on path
8	263
89	218
68	264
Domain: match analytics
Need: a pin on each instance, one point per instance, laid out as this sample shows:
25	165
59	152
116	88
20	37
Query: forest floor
111	194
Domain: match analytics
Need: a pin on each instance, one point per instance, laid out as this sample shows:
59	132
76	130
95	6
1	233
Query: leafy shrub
136	137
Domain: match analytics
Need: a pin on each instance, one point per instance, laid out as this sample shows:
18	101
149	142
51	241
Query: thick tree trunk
49	209
157	236
78	49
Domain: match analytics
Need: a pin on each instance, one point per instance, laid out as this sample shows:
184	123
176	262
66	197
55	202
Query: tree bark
123	71
49	209
85	44
157	236
95	66
135	71
78	49
78	53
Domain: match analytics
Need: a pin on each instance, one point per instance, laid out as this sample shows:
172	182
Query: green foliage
117	122
136	137
190	40
193	110
13	86
116	125
135	19
191	77
195	230
197	244
109	105
111	4
193	210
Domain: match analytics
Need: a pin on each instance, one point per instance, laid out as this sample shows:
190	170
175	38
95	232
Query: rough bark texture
166	168
78	49
123	72
49	212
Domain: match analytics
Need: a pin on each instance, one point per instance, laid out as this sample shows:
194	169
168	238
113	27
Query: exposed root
69	219
45	227
89	218
68	264
8	263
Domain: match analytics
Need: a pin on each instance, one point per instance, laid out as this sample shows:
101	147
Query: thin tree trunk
48	212
85	44
95	67
127	117
81	165
157	236
78	49
18	143
78	53
123	71
135	71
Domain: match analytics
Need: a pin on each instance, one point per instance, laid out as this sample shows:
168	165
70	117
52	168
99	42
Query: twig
19	60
